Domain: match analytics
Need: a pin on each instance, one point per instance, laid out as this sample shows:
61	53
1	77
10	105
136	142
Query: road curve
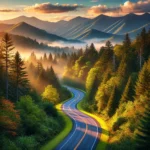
85	132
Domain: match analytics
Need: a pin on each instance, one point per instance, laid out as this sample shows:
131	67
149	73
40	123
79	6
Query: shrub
7	144
125	143
32	117
27	142
9	117
51	94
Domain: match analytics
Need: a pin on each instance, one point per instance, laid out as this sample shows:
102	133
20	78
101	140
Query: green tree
52	78
51	94
91	53
7	47
127	43
143	134
122	69
33	119
128	91
19	77
112	103
143	83
91	79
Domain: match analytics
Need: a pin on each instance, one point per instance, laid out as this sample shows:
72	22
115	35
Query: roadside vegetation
117	83
53	143
28	116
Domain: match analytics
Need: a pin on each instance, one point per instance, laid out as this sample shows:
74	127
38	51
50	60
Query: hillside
28	44
79	26
95	34
27	30
5	27
117	84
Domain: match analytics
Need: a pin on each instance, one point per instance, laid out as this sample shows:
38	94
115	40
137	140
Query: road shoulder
52	144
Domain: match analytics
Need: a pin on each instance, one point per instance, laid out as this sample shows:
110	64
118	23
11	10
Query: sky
56	10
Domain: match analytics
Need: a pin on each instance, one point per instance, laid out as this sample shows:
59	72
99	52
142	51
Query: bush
27	142
125	143
32	117
51	94
118	123
9	118
35	121
7	144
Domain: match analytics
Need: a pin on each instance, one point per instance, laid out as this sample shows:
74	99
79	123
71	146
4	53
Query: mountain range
101	27
26	30
28	44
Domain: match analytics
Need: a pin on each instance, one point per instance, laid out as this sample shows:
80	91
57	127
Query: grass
52	144
104	136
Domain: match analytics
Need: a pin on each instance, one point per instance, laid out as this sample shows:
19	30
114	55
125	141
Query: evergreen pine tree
19	77
92	92
143	83
52	78
7	47
127	42
112	103
50	58
143	134
45	57
127	94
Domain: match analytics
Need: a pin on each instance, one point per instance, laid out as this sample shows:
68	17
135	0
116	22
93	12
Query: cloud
9	10
101	9
53	8
127	7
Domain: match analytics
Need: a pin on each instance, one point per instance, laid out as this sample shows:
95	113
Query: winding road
86	131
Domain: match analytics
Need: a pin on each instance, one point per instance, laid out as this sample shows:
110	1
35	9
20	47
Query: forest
116	80
117	84
28	117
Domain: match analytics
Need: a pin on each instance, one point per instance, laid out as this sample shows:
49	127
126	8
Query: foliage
50	94
143	83
28	122
27	142
19	76
118	123
9	118
35	122
6	51
117	84
143	134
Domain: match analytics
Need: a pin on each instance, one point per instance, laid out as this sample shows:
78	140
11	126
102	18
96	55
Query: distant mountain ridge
79	27
95	34
29	44
26	30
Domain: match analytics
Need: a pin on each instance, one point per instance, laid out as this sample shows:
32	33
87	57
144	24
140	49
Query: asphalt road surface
85	132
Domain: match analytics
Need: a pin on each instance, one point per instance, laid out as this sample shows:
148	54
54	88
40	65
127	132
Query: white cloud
127	7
